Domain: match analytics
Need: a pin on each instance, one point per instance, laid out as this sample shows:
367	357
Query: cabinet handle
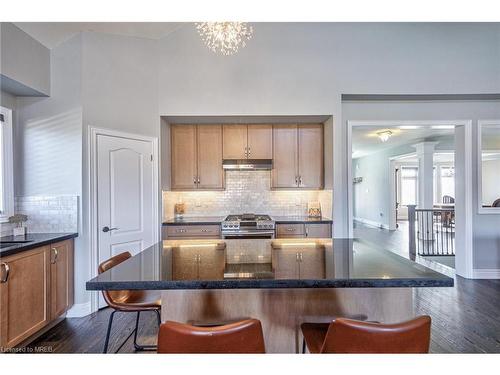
56	254
296	180
290	229
297	257
7	272
198	180
194	180
300	180
307	232
300	257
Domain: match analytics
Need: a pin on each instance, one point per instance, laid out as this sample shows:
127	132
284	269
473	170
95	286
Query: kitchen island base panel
281	311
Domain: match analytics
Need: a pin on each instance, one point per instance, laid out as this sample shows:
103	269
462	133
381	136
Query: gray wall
486	233
24	60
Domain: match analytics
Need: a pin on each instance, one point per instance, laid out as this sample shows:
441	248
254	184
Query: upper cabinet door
310	156
284	173
235	142
210	173
183	145
260	142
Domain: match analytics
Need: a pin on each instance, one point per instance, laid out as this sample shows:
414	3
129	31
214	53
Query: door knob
108	229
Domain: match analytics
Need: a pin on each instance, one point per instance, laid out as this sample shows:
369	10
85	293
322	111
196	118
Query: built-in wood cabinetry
196	154
172	232
298	156
61	278
307	230
192	263
308	263
36	287
248	141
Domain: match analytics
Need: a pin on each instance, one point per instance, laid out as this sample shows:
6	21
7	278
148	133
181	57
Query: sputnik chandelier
225	37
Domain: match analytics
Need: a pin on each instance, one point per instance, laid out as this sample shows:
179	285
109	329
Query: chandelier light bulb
225	37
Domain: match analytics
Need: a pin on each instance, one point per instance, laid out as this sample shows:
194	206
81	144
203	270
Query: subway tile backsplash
247	191
49	214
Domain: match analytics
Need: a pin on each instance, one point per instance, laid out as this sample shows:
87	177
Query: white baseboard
371	223
79	310
492	273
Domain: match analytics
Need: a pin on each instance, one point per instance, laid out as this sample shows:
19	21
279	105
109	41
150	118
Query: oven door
245	234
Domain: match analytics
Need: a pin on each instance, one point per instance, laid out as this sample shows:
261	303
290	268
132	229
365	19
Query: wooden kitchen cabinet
260	142
24	295
310	156
235	141
298	156
202	263
209	157
252	141
172	232
196	154
284	173
36	288
301	230
61	278
183	156
318	230
307	263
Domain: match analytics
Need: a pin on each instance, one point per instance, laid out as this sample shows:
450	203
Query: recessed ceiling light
385	135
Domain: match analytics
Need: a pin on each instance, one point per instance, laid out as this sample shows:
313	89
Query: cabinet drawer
290	230
318	230
193	231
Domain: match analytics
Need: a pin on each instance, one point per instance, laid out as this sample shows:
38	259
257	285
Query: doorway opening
409	193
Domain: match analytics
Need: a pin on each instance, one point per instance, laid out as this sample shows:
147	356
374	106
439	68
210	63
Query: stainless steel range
248	226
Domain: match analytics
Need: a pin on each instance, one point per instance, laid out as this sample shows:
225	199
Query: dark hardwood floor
465	318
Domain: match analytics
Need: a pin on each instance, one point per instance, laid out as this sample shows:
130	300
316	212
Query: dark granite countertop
31	241
195	220
266	263
301	219
207	220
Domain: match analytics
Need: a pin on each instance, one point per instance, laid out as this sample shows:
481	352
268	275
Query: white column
425	155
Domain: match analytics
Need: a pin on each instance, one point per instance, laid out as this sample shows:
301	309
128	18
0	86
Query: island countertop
266	263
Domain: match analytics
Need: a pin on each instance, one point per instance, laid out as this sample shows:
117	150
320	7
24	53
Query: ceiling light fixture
225	37
385	135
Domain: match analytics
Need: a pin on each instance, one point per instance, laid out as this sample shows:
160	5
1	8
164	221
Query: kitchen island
281	282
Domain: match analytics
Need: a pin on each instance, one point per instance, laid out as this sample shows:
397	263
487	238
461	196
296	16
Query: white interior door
125	196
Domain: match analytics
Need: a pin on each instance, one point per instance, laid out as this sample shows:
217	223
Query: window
409	185
6	170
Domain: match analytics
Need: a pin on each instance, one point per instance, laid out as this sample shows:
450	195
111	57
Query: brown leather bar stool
129	301
354	336
240	337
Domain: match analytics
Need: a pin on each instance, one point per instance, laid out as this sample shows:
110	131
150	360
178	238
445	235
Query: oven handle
248	234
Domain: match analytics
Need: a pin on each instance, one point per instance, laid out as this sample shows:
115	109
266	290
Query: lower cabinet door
61	274
24	294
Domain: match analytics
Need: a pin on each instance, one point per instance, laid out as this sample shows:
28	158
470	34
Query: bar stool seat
354	336
241	337
143	300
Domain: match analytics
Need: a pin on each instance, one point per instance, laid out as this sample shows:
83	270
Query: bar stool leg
159	317
136	345
106	342
303	345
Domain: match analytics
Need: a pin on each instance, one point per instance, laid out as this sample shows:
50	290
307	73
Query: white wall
301	68
24	60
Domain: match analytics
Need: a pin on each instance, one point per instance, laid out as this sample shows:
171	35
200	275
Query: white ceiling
365	140
50	34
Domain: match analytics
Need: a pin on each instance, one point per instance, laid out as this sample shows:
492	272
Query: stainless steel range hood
247	164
